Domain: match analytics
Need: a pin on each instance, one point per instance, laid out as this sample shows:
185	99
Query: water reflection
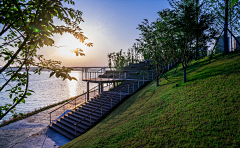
72	85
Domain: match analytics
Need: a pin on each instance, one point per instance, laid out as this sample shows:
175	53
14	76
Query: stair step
83	115
98	111
108	104
63	132
96	114
68	123
102	100
84	124
66	126
93	108
105	107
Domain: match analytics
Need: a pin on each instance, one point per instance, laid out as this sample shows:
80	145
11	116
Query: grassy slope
204	112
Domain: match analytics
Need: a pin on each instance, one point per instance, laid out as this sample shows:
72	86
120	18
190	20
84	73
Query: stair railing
70	101
120	91
99	73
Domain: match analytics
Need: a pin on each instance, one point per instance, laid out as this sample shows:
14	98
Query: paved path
33	132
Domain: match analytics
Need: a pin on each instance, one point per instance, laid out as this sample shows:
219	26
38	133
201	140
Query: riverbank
33	131
12	120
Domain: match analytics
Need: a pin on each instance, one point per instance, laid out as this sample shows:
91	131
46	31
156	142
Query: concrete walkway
33	132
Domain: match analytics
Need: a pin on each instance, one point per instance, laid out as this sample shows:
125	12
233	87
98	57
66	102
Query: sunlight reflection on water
47	91
72	85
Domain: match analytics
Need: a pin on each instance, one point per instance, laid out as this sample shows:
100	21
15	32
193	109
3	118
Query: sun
67	43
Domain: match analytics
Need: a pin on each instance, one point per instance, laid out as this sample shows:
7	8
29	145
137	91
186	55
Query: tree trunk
225	28
197	50
184	74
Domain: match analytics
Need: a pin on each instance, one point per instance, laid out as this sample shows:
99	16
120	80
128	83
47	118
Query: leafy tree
227	13
27	26
186	39
176	34
120	59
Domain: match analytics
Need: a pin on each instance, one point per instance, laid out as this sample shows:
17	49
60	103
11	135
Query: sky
109	24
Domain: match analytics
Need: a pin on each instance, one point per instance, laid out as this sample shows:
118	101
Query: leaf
23	101
233	2
28	94
10	96
51	74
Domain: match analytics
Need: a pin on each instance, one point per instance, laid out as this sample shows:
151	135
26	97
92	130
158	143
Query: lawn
204	112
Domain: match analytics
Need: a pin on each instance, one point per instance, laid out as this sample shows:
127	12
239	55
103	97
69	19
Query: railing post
113	75
147	75
85	98
111	102
101	110
90	76
95	76
128	89
133	87
152	75
120	95
76	130
90	120
138	83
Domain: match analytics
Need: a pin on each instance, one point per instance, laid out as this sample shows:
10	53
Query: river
47	91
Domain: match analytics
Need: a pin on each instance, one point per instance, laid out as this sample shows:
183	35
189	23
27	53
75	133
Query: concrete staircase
101	105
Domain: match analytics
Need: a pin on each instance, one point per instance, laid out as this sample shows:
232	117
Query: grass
204	112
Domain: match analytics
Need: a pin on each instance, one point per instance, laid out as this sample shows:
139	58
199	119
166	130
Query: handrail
107	74
75	98
71	100
105	102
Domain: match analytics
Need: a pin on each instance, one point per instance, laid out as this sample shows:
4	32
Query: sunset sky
109	24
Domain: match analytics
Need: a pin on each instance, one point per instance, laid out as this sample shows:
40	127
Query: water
47	91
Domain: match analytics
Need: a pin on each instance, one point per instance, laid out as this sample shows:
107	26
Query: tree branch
18	100
15	55
4	30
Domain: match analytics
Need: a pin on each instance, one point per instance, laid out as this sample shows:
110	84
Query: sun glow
67	43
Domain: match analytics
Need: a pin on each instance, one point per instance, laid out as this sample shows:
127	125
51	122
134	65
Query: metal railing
72	103
109	75
120	91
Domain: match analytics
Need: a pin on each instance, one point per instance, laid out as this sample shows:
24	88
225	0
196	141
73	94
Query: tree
227	13
27	26
202	30
170	37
